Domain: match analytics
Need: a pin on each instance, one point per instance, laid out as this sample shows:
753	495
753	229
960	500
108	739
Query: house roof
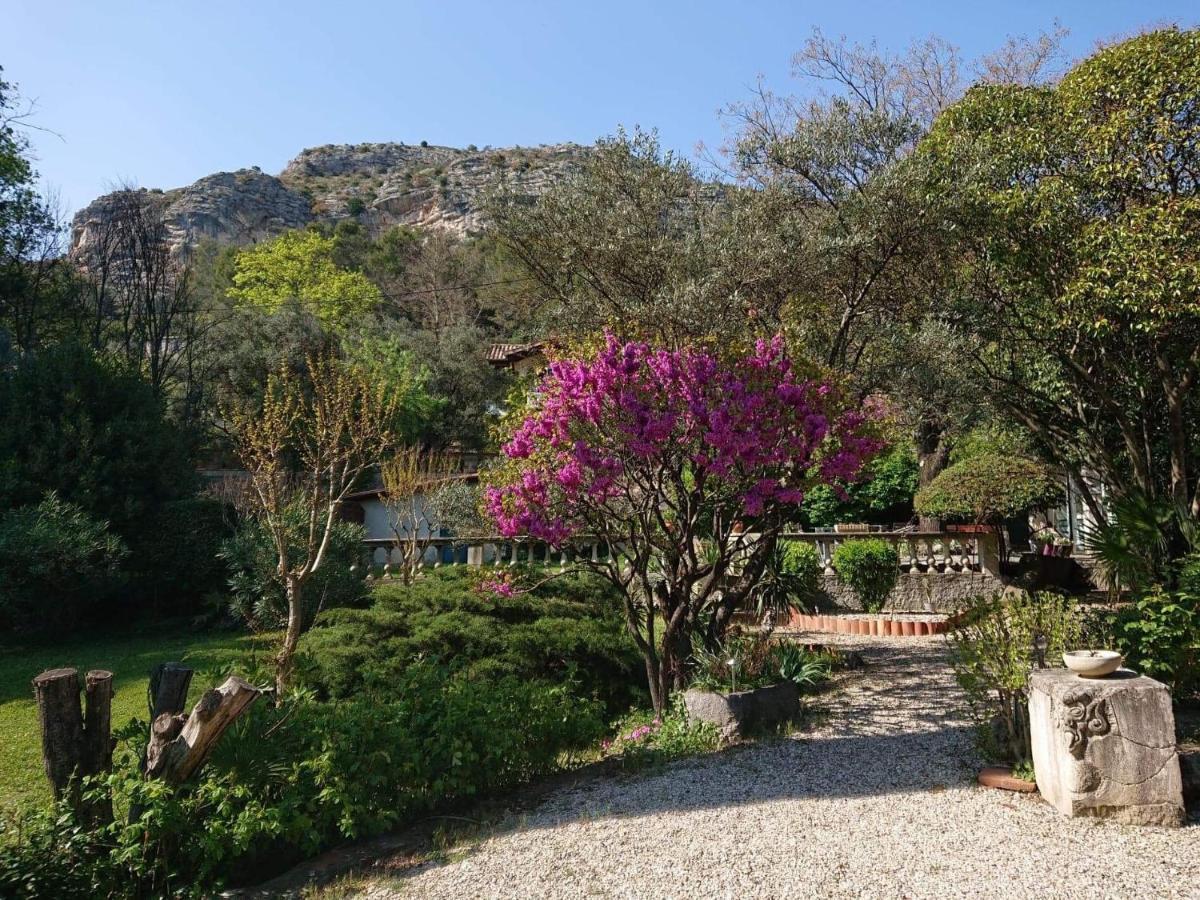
376	491
502	355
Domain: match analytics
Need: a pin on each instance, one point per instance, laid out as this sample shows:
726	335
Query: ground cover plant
569	629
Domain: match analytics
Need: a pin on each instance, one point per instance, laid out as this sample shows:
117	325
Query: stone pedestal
1105	747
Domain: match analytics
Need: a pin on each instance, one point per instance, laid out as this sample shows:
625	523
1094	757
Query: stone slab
738	713
1105	747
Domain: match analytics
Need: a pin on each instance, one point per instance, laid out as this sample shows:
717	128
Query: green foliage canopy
988	488
1078	215
300	265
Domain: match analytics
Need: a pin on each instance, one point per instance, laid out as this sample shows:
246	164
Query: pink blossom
749	433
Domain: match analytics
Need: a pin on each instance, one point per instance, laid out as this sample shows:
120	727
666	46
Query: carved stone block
1105	747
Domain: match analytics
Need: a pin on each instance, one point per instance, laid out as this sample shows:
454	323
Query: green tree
300	266
1078	218
636	242
93	431
849	202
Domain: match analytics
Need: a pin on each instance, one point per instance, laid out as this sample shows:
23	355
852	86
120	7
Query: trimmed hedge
870	567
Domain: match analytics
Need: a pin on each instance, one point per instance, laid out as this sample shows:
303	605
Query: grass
129	655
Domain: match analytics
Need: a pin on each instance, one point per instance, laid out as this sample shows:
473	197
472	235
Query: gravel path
879	801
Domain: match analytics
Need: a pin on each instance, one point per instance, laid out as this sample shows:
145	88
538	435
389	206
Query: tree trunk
179	745
285	658
654	679
75	743
932	456
57	693
97	739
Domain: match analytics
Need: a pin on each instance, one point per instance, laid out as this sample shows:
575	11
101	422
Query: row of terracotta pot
879	626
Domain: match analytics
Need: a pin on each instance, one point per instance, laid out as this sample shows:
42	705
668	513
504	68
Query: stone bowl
1092	663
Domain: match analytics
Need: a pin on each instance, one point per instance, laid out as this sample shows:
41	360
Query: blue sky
163	93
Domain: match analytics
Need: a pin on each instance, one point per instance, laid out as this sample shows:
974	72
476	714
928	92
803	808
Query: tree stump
76	742
179	744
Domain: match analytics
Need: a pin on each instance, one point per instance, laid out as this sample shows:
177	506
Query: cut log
169	683
179	745
97	722
57	693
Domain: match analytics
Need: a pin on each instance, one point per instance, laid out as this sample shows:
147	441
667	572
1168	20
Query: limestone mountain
379	184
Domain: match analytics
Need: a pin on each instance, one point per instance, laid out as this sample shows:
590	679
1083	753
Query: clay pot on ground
920	629
876	627
1002	778
906	627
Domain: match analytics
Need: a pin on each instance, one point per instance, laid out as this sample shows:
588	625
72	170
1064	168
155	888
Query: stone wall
928	592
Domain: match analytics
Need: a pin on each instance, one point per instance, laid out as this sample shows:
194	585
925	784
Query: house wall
378	520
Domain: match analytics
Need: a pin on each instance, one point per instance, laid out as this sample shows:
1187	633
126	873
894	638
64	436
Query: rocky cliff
379	184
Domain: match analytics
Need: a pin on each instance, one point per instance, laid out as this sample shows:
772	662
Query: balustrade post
988	547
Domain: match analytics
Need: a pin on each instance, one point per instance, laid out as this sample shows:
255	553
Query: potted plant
751	682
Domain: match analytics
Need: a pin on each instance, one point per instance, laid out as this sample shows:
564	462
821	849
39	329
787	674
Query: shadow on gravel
898	726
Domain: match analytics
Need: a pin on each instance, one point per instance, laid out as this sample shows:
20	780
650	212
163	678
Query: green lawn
129	656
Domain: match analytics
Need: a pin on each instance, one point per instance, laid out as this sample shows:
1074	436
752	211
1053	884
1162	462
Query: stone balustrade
920	552
483	551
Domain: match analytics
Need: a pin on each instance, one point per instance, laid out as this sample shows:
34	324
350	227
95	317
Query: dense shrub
989	488
286	782
870	567
803	565
94	432
569	628
257	592
57	564
993	652
1159	634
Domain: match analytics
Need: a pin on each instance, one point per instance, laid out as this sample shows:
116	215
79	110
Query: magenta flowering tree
687	466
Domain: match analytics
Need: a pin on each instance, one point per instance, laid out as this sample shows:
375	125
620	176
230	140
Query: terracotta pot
920	628
906	628
862	626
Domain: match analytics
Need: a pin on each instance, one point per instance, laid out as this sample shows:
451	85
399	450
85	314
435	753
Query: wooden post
76	742
169	683
57	693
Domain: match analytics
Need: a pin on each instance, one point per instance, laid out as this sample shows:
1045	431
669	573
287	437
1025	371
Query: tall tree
1078	217
838	159
636	242
140	296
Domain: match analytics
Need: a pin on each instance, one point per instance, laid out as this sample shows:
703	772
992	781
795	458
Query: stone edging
877	625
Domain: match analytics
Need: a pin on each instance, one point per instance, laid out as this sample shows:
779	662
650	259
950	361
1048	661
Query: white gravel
879	801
